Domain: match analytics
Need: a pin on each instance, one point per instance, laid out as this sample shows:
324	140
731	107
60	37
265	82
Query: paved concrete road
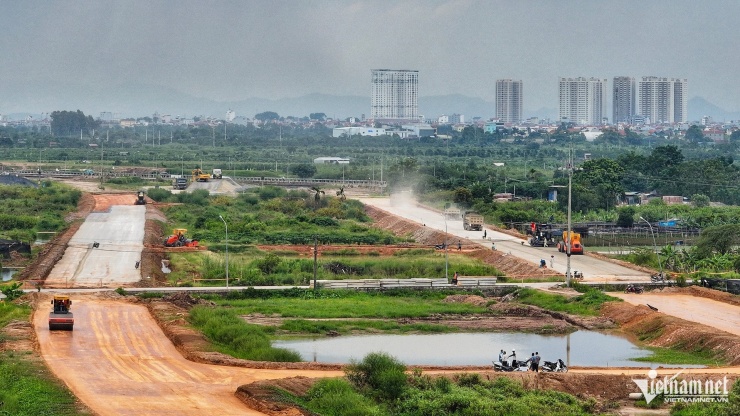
120	234
594	270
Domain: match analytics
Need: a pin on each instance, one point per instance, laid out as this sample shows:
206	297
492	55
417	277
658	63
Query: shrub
382	374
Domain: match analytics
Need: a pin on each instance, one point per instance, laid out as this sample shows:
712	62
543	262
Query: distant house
331	160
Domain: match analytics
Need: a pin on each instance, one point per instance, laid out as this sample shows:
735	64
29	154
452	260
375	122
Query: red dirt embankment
660	330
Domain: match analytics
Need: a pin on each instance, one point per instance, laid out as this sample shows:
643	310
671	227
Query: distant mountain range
144	100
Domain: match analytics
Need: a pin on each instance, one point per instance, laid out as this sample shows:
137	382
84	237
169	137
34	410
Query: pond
581	348
7	273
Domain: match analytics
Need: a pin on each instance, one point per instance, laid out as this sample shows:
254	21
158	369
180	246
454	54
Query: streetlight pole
655	245
446	255
227	250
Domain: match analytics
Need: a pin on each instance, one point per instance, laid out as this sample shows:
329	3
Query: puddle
7	273
581	348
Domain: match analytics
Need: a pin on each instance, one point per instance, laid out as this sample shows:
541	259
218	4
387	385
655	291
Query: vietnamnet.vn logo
675	390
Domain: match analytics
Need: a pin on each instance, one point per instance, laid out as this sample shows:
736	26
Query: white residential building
624	98
395	94
663	100
583	100
509	100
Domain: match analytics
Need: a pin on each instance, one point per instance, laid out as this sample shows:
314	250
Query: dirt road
118	362
712	313
594	270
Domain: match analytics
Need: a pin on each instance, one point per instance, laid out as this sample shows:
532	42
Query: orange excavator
60	317
178	239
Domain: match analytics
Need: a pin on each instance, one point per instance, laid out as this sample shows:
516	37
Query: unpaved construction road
593	269
712	313
118	362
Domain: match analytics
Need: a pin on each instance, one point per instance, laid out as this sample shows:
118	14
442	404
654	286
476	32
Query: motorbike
577	274
554	367
657	278
633	289
506	367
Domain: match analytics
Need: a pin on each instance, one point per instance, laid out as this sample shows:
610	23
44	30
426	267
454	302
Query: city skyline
94	56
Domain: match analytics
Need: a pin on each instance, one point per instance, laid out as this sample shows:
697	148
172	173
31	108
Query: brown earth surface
193	346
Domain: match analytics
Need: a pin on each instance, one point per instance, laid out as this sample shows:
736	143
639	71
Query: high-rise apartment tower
509	101
663	100
624	99
395	94
583	100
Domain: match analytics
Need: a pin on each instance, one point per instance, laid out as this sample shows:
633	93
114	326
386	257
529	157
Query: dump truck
452	213
180	183
178	239
140	200
200	176
60	317
575	243
472	221
216	174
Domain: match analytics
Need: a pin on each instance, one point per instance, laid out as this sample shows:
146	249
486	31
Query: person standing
552	262
484	234
459	245
502	357
530	363
513	358
536	362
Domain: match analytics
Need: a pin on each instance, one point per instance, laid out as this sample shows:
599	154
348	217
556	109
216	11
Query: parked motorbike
633	289
577	274
554	367
507	367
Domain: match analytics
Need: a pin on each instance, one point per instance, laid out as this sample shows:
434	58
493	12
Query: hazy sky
232	50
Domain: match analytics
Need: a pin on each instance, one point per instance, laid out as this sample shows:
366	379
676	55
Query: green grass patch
588	303
349	304
306	326
231	335
675	356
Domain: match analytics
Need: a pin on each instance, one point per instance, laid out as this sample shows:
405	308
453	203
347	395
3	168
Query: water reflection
7	273
581	348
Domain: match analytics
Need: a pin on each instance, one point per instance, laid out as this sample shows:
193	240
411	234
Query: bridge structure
242	180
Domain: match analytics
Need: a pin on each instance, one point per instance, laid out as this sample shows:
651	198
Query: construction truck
472	221
180	183
575	243
452	213
216	174
543	235
60	317
140	200
200	176
178	239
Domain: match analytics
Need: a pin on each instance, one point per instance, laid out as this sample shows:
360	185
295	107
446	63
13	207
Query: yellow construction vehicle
200	176
60	317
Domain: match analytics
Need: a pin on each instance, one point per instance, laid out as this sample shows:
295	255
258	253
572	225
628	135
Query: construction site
152	361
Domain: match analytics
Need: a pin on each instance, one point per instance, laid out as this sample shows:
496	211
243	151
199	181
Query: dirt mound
185	301
471	299
660	330
261	395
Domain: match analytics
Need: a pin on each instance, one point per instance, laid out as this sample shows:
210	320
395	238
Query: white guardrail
405	283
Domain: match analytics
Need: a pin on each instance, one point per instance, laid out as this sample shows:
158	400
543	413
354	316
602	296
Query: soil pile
185	301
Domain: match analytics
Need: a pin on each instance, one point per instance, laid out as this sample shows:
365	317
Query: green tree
699	200
694	134
718	240
267	115
303	170
626	217
603	177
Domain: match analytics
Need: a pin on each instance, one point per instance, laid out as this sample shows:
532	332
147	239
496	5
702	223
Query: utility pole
315	261
570	231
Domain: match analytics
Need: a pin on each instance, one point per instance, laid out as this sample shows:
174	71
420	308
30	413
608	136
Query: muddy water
581	348
7	273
